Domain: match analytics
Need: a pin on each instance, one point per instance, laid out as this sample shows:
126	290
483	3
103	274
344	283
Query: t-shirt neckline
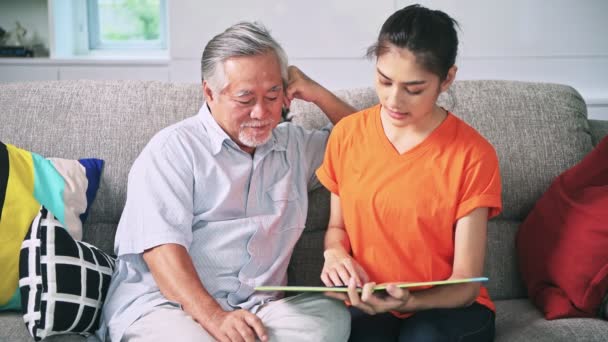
433	138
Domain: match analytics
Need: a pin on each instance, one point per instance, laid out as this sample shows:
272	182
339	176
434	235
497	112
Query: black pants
473	323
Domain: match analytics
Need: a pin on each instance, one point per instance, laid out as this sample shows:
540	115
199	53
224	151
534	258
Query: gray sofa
539	130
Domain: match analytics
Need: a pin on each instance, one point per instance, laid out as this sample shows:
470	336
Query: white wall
561	41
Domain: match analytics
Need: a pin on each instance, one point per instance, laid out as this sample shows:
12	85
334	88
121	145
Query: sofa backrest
538	130
111	120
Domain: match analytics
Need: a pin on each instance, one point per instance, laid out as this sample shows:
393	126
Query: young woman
412	188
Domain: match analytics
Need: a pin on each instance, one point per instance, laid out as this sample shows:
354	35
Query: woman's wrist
334	250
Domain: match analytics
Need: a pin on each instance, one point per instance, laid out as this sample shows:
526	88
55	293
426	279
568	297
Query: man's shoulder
187	134
289	133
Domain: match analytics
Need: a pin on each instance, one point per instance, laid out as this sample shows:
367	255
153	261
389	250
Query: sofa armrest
599	129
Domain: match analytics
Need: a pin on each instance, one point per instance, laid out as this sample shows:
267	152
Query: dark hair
429	34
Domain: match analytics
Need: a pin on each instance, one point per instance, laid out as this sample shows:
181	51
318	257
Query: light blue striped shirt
238	216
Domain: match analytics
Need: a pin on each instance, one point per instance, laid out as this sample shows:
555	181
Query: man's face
249	107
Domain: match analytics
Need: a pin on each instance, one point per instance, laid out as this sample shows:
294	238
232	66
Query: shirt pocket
287	206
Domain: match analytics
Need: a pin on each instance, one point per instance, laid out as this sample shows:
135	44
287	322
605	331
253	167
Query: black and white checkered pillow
63	282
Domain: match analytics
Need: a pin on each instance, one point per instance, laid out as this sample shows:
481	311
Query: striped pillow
27	181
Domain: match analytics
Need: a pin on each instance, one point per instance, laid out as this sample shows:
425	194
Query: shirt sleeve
481	187
327	172
312	145
159	207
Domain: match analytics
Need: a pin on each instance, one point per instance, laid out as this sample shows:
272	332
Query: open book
380	287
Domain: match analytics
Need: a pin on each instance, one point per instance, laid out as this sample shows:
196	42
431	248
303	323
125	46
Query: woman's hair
430	35
241	39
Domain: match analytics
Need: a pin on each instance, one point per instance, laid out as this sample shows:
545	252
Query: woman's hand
340	268
374	302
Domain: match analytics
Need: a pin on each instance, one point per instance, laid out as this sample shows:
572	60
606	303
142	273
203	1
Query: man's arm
303	87
175	275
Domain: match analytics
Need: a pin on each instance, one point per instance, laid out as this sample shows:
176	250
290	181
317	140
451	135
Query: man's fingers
221	337
289	92
234	335
258	327
286	101
245	331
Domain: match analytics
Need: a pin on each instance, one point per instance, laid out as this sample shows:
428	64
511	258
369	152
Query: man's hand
300	86
339	268
235	326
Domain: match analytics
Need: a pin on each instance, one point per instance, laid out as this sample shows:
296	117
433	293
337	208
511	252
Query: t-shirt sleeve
159	206
328	171
481	187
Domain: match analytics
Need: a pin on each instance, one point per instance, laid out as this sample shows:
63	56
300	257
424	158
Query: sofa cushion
63	282
562	244
27	181
13	330
518	320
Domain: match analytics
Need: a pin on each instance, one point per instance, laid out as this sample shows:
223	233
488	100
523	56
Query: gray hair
241	39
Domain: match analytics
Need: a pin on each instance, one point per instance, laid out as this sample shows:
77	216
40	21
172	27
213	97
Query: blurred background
561	41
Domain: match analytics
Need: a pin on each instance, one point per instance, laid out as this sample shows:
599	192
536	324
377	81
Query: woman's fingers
368	291
335	278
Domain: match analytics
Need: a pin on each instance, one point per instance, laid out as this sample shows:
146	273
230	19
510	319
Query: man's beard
251	140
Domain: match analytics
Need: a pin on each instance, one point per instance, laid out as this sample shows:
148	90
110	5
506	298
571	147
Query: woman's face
406	90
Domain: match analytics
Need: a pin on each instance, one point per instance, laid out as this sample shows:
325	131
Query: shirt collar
217	136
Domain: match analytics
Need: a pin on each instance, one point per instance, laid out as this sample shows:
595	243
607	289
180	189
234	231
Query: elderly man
215	205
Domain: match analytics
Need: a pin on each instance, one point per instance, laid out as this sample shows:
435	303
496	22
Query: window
126	24
109	29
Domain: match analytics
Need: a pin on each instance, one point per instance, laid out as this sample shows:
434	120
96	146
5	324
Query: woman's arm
339	266
469	255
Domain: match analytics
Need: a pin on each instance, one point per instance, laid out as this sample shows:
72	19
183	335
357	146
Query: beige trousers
304	317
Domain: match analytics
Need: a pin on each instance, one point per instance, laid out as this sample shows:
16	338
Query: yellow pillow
28	181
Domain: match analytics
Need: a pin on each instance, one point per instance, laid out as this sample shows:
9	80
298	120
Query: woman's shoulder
470	139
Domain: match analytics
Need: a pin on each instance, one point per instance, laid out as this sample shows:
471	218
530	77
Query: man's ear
449	79
207	92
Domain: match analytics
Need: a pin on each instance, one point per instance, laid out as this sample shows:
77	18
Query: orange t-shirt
400	210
